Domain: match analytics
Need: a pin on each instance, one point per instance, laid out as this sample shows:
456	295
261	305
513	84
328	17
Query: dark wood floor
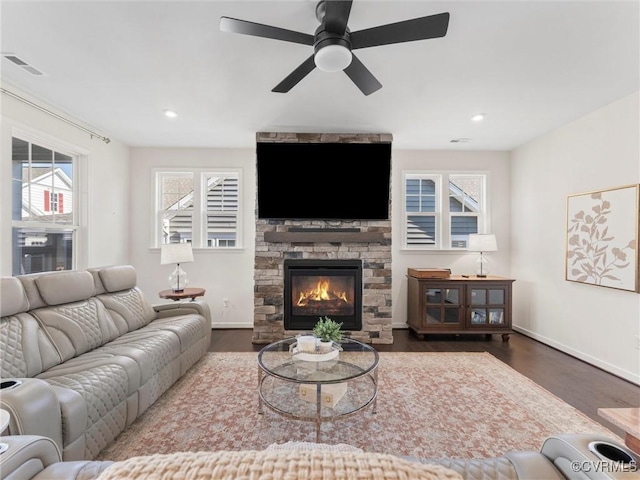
581	385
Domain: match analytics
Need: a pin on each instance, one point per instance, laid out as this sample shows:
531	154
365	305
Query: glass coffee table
314	388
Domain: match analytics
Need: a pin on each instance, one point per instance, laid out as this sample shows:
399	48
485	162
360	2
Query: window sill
422	251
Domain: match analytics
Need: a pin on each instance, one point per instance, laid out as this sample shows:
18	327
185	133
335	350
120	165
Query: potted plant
327	331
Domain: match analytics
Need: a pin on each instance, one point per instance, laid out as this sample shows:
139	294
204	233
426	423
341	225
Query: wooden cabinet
460	305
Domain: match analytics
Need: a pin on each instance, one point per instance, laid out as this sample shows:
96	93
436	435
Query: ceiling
530	66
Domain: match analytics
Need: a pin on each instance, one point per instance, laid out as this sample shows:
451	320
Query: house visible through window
53	202
43	220
442	209
199	207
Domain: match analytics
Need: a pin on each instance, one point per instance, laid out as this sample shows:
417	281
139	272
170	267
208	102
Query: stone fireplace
321	245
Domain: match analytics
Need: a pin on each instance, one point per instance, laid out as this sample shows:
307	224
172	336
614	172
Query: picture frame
602	238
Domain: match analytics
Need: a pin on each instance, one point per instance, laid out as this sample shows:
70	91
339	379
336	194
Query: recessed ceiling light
478	117
170	113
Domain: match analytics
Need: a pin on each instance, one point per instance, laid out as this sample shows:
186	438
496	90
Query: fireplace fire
327	297
318	288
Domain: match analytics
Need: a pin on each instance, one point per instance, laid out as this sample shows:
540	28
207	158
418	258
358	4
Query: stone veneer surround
372	245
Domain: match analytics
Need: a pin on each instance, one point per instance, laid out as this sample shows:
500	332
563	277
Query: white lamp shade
176	253
332	58
482	242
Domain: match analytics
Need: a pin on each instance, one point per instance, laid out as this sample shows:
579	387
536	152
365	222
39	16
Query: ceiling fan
333	43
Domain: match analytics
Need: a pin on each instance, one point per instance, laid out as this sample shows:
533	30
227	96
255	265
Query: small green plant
327	330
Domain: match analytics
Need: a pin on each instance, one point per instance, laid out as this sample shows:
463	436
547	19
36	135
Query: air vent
16	60
21	63
33	70
459	140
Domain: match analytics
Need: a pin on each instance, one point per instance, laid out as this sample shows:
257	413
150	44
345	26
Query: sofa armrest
34	408
32	457
164	310
26	456
533	465
579	456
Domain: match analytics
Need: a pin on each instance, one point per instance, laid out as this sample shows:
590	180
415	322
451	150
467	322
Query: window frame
443	213
77	227
199	211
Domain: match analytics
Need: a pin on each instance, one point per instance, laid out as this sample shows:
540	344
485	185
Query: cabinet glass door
443	306
487	307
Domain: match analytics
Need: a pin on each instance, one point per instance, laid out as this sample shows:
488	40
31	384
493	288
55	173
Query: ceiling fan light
332	58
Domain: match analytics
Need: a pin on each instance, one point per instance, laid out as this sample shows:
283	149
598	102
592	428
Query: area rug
433	405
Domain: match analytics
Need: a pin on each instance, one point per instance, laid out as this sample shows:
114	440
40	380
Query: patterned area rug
461	405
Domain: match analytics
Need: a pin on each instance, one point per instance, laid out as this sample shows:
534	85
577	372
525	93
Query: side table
628	419
191	293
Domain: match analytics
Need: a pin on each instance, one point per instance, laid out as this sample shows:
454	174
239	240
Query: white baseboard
629	376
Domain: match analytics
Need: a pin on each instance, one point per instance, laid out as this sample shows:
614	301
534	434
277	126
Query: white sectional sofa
83	354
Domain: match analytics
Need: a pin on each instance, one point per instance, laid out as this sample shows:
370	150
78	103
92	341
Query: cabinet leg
505	337
419	336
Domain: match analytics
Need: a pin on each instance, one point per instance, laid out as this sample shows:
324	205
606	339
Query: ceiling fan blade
245	27
294	77
362	77
336	15
423	28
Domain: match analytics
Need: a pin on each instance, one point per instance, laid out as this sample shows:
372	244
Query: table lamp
482	243
177	253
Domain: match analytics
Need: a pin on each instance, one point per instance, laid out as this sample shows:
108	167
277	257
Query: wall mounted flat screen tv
323	181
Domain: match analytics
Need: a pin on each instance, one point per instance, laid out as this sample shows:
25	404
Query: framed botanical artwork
602	238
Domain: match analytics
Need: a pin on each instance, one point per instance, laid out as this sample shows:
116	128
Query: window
196	206
441	210
44	222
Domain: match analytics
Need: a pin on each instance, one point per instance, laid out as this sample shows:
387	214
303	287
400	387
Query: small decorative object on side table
191	293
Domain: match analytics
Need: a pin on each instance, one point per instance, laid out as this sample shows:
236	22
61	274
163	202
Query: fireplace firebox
318	288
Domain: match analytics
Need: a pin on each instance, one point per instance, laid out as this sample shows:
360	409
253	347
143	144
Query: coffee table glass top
355	360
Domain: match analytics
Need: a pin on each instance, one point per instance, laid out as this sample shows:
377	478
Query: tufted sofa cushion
104	387
26	349
116	288
78	327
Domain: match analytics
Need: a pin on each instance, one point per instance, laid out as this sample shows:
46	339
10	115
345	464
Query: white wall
225	273
597	324
496	165
528	201
104	197
229	273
